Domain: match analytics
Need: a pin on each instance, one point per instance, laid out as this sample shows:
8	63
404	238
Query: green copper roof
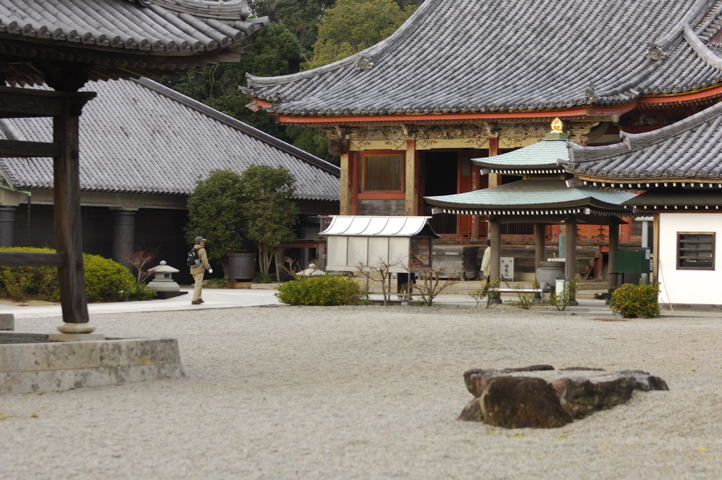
541	155
533	195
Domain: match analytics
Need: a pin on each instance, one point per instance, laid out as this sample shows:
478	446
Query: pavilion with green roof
545	195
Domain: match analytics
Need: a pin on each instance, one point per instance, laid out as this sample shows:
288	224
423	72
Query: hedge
105	280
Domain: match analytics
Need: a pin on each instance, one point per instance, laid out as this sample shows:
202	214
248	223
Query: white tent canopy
362	242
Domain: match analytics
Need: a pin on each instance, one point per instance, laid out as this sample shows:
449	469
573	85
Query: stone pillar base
76	328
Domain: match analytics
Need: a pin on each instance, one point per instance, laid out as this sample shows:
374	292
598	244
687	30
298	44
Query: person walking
199	269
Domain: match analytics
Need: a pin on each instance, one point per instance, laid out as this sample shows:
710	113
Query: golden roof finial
557	125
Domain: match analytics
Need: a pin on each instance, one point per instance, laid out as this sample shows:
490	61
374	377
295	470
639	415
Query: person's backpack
193	259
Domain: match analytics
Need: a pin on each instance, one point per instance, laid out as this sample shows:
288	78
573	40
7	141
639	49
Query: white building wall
703	287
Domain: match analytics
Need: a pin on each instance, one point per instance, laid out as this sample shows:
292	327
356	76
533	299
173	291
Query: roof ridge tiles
257	81
693	16
237	124
706	53
631	142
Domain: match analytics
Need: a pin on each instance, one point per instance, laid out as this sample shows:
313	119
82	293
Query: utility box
631	260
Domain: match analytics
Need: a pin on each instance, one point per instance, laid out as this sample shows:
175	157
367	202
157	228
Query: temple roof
690	149
138	136
119	38
677	200
540	157
472	56
532	196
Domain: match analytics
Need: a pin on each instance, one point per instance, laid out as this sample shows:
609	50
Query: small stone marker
551	398
7	321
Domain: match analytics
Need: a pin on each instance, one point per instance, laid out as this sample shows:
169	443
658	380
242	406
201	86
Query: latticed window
383	173
695	251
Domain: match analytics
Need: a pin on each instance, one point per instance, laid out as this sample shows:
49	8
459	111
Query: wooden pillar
68	240
539	255
345	186
570	261
613	245
495	256
411	199
494	178
656	247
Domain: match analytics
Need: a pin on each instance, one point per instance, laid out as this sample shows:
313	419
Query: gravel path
371	392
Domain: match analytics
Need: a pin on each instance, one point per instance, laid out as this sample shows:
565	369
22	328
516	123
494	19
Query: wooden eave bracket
17	148
26	102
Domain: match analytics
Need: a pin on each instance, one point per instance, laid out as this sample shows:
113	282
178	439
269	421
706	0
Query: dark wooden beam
30	259
17	148
25	102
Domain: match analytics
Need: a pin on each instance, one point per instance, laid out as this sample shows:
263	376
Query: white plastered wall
701	287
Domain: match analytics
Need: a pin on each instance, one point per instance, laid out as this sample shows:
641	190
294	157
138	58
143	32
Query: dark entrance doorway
440	178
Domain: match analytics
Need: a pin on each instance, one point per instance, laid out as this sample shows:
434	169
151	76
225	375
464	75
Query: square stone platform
32	363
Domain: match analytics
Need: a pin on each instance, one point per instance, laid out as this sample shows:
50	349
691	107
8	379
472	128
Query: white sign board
506	270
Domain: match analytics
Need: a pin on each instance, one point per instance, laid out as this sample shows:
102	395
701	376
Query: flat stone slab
540	396
30	363
7	321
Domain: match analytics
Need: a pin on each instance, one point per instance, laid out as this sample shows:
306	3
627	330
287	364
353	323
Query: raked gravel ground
371	393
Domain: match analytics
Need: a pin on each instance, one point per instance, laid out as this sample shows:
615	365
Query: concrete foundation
31	363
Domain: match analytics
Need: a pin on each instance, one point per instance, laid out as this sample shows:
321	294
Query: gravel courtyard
372	393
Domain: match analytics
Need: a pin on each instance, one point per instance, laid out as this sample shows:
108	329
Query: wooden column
539	255
613	245
495	256
570	261
68	240
411	199
656	246
494	178
345	186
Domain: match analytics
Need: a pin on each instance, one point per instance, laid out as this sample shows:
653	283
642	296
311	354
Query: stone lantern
163	283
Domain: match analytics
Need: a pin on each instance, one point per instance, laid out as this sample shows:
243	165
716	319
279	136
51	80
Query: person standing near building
486	263
199	268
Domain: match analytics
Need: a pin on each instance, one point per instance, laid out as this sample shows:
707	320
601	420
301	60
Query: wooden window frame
381	194
679	256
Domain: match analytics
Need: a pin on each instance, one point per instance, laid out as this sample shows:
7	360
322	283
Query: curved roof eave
641	80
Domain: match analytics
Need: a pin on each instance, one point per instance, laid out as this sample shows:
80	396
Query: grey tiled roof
671	199
139	136
82	30
471	56
689	149
532	195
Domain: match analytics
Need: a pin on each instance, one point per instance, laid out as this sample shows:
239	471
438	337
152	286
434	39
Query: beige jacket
204	261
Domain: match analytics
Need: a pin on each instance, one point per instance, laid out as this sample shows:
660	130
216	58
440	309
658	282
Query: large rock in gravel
551	398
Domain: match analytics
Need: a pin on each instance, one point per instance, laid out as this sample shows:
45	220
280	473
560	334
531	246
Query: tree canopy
268	210
213	214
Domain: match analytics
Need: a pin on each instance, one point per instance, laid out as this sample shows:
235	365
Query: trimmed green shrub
632	301
320	290
23	283
105	280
